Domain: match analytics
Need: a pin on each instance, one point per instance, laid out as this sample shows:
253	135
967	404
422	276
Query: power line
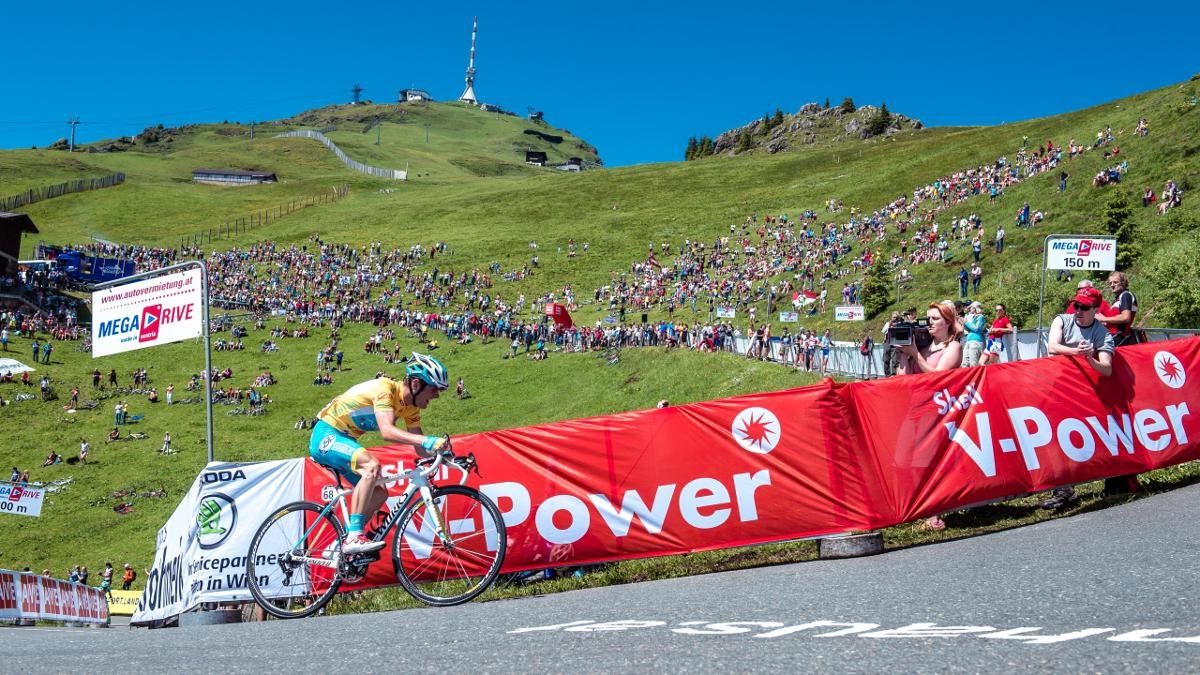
158	116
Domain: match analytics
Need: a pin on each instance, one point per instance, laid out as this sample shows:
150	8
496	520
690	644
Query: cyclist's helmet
428	369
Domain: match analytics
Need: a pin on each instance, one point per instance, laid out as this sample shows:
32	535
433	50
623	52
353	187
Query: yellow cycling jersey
354	411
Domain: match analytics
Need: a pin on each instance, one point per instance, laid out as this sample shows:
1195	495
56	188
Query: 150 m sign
1081	253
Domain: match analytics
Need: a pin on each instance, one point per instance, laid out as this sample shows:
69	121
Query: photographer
934	348
930	348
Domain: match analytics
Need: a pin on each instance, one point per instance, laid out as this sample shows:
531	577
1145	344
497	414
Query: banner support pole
1041	341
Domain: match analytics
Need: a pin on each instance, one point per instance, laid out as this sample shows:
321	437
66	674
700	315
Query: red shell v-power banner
821	459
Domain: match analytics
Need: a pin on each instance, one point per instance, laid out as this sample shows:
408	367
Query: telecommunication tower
356	90
468	95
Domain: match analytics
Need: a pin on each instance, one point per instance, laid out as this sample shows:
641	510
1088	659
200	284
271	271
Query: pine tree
848	105
744	142
827	103
765	126
877	289
880	122
690	153
706	147
777	118
1118	221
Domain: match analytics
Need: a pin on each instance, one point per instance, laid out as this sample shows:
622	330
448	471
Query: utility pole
252	131
378	129
427	133
356	91
74	122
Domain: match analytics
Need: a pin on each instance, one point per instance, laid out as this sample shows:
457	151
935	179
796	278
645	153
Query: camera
910	333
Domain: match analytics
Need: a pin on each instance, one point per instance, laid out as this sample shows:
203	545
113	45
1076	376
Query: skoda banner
201	551
147	313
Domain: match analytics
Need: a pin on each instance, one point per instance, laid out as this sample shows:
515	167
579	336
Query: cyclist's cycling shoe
356	544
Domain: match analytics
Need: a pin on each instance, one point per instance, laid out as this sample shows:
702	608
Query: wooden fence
35	195
242	224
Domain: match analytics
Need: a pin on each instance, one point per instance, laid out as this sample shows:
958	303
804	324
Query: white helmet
428	370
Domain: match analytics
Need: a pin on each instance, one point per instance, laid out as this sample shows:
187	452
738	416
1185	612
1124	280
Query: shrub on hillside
1019	295
877	289
1179	221
1175	276
1118	221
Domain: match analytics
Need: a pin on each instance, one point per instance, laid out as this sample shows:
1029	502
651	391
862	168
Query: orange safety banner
821	459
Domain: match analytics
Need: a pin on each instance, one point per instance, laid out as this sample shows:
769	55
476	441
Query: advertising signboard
849	313
1087	254
147	313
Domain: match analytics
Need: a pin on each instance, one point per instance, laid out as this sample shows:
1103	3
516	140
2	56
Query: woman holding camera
943	353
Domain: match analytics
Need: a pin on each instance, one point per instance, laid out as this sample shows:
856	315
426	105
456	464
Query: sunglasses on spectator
1080	307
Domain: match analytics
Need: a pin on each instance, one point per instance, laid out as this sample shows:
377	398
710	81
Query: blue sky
635	79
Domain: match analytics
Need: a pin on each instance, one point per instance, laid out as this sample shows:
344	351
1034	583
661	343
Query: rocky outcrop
810	125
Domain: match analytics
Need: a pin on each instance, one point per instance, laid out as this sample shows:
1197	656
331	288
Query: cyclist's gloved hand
434	444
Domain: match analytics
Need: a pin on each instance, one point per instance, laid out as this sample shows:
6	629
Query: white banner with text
21	500
201	551
147	313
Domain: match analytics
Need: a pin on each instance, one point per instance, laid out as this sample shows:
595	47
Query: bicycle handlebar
465	464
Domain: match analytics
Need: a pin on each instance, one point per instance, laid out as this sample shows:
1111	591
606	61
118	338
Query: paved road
1110	591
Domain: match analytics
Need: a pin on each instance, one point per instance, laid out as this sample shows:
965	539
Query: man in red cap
1079	335
1085	286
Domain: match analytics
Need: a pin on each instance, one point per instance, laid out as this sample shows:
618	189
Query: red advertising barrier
29	596
821	459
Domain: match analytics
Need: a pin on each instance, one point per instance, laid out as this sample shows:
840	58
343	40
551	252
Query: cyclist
376	405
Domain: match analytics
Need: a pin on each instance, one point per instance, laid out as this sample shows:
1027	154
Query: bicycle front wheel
461	563
291	566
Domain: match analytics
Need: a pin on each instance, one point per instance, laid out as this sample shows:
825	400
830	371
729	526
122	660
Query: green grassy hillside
470	188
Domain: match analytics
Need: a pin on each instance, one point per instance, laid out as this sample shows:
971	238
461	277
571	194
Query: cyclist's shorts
336	450
995	345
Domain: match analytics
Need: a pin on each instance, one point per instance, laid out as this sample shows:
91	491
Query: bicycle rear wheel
449	572
280	572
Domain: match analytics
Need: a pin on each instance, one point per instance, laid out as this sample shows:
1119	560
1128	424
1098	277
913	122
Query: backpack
864	347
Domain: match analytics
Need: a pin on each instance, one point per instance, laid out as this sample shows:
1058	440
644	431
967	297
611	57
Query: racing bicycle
448	547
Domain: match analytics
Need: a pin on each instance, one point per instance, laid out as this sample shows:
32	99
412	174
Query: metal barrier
845	359
394	174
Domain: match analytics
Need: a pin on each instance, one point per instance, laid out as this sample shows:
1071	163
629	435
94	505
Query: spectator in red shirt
1001	327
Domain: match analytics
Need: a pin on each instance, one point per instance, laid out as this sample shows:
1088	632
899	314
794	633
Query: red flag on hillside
804	298
559	313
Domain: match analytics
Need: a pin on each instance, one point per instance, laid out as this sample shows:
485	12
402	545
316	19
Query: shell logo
757	430
1170	370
